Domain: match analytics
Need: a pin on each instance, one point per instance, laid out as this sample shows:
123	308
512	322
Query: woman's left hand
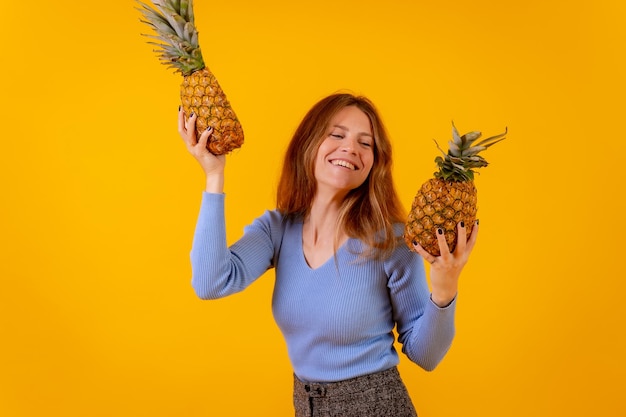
446	268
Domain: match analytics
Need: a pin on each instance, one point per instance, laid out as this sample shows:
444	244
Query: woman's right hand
212	165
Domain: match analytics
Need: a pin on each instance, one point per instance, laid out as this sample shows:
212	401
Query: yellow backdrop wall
99	199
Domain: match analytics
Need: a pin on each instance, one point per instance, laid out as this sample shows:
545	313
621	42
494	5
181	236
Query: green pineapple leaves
176	35
462	158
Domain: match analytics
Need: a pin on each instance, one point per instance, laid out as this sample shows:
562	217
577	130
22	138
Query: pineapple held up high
450	197
200	93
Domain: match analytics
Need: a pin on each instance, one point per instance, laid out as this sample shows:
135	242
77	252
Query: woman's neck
322	220
321	235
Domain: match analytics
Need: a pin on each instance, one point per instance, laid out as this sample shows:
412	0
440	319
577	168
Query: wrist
442	301
214	184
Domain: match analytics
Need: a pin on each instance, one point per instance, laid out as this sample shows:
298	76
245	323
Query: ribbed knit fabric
337	319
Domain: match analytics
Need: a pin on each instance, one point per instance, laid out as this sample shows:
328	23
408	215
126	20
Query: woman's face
346	155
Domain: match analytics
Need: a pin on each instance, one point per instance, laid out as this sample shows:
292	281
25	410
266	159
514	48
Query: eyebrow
360	134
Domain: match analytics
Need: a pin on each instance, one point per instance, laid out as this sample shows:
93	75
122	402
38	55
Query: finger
191	128
444	249
473	236
204	137
461	240
423	253
181	121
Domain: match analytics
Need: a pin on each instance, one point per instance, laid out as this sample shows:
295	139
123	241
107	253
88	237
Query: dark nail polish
191	115
477	221
440	231
414	243
178	108
209	128
462	223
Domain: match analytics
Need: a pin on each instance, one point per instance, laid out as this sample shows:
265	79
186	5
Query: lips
343	163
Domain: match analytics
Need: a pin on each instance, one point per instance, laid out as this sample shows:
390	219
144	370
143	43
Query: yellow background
99	199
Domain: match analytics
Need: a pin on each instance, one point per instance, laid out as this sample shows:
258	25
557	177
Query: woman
344	279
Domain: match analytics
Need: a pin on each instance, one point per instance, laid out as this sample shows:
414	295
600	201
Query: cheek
366	173
368	163
318	165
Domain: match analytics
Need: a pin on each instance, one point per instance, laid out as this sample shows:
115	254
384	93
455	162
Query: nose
349	145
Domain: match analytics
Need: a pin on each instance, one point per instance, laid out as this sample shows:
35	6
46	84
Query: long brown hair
369	212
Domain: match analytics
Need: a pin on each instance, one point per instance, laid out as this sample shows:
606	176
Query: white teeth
345	164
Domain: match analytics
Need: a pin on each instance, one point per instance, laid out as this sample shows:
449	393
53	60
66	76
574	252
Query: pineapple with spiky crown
450	197
200	93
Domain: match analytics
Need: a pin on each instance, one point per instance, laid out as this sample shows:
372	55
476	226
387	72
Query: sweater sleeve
425	330
219	270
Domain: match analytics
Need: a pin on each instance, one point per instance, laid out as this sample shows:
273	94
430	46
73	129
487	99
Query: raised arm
219	270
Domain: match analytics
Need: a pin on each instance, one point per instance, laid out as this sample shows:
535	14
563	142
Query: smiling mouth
342	163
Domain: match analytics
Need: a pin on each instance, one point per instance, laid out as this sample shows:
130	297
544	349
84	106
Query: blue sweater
337	319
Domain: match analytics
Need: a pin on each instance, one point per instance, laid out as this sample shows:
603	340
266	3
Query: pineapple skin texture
200	93
440	204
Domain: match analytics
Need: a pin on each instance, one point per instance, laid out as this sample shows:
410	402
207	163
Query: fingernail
477	221
440	231
209	128
414	243
192	114
179	108
462	223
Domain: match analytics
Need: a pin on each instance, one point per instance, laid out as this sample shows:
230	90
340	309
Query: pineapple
450	197
200	93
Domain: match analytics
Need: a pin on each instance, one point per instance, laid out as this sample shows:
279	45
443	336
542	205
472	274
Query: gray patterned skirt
382	394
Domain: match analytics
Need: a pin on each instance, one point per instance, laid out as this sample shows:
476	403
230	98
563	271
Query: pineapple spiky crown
462	158
177	36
